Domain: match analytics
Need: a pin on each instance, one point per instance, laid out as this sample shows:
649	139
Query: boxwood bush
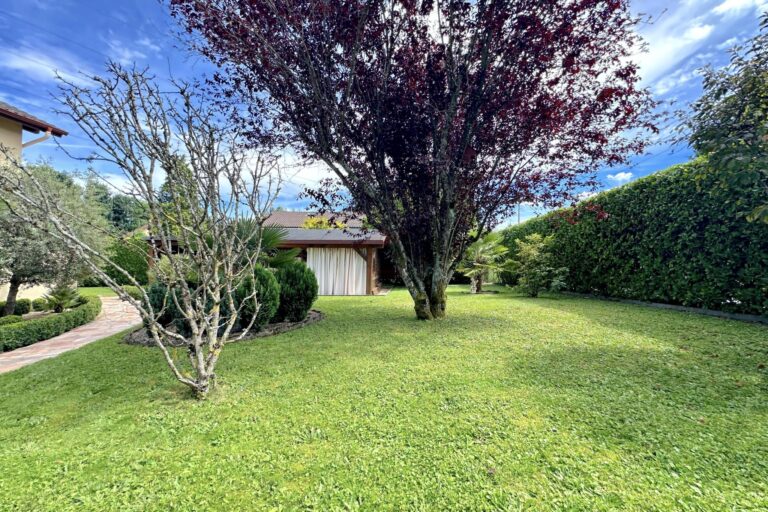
31	331
23	306
678	237
267	296
10	319
40	304
298	290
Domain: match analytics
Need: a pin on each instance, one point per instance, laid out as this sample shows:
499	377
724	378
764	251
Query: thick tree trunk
431	305
10	300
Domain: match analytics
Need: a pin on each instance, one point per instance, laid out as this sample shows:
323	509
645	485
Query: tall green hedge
677	236
31	331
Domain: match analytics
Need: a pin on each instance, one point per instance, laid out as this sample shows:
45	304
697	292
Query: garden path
115	316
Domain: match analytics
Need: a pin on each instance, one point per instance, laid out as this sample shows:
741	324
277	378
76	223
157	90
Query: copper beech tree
213	187
436	117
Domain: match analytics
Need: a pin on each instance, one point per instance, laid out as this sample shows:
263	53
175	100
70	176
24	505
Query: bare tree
206	220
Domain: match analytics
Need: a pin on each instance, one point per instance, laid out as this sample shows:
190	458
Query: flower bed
31	331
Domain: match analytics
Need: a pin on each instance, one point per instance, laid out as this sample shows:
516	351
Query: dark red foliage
441	120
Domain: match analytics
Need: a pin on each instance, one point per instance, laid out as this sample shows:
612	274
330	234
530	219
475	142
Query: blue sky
40	37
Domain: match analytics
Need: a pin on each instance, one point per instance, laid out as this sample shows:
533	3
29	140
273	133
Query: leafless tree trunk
216	198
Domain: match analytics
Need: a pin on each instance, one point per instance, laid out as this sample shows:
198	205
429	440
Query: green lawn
510	403
100	291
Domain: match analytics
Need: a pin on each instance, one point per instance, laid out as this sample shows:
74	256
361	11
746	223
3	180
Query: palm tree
484	257
271	236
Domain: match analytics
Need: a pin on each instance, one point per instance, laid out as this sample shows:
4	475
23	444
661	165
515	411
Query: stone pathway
115	316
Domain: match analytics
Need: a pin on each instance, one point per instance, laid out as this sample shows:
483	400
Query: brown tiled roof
28	121
296	219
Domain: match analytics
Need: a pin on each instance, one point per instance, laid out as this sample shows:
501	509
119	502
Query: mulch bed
140	337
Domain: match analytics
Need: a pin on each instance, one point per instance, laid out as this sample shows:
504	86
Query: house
13	123
347	260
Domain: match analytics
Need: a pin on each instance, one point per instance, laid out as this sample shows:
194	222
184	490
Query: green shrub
134	292
533	266
677	237
267	297
23	306
298	290
131	256
62	297
40	305
10	319
91	282
25	333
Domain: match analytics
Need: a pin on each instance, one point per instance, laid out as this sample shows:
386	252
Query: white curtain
338	271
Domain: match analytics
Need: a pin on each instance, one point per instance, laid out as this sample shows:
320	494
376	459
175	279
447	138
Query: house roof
296	219
28	121
297	236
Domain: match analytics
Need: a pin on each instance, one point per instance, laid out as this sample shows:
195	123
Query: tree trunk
13	291
432	305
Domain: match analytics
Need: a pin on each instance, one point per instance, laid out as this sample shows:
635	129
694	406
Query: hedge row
10	319
23	306
678	237
31	331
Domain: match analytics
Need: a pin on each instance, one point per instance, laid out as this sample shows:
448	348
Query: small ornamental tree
484	257
212	185
437	117
533	264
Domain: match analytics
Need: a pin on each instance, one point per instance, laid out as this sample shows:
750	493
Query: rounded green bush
40	304
298	290
267	297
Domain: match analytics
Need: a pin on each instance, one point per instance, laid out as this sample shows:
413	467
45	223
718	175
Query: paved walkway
115	316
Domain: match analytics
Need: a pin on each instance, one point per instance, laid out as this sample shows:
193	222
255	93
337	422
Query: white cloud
122	54
728	43
673	81
42	64
736	7
671	41
147	43
582	196
620	177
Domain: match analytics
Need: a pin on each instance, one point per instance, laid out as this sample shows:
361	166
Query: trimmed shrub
267	297
10	319
23	306
91	282
298	290
130	255
40	305
134	292
677	237
25	333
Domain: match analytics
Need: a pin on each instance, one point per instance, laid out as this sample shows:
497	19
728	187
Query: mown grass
509	403
96	291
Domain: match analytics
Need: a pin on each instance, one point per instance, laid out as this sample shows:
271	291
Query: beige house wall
10	135
26	292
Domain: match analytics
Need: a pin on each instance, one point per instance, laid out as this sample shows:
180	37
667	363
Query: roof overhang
31	124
